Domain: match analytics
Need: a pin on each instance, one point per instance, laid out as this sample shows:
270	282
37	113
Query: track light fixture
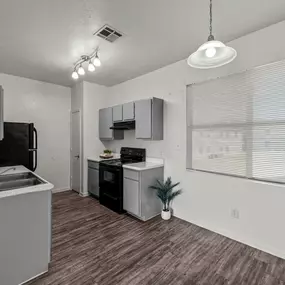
93	60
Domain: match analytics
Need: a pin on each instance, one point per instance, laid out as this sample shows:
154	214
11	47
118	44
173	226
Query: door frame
80	150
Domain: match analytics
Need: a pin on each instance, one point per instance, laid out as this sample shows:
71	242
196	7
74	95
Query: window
236	124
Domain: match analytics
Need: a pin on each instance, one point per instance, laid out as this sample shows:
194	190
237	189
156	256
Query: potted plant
165	192
107	154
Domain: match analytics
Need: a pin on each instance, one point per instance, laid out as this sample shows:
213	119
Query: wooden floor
93	245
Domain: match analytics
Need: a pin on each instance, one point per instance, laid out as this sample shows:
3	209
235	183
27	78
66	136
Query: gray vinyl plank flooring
95	246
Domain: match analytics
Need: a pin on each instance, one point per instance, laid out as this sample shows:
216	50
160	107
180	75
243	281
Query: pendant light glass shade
75	75
81	70
97	61
91	67
212	54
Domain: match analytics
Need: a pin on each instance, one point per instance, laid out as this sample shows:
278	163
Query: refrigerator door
18	146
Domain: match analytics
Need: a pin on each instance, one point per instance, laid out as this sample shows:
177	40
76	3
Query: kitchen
105	225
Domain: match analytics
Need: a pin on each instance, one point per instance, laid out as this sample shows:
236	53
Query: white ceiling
42	39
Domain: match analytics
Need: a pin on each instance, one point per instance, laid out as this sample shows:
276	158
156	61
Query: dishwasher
93	178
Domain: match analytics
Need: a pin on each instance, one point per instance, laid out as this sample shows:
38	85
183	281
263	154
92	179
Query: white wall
208	199
94	98
47	106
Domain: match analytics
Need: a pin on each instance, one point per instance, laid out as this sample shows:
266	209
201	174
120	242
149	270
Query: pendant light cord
211	37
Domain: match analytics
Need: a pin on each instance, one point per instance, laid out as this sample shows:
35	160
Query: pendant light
75	75
213	53
81	70
91	66
97	61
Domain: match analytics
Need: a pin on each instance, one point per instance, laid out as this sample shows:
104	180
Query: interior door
75	151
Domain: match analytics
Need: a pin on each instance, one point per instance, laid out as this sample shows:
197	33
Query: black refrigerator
19	146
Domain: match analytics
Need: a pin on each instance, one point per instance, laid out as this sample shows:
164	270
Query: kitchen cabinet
132	196
1	113
105	123
139	200
93	178
117	113
149	119
128	111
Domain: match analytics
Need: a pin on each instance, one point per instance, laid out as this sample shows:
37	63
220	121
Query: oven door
110	180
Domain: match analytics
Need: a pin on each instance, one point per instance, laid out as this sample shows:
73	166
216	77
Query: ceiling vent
108	33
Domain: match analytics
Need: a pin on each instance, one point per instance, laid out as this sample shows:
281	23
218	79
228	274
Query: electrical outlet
235	213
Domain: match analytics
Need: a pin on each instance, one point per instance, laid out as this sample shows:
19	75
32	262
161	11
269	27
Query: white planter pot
166	215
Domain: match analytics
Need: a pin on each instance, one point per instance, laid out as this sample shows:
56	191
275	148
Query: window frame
249	152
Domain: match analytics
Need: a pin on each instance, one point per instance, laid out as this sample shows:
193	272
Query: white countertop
97	158
150	163
139	166
21	169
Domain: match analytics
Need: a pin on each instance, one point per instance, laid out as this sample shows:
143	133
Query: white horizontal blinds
237	124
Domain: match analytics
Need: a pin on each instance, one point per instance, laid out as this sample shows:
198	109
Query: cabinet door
143	113
93	181
117	113
1	113
128	111
132	196
105	122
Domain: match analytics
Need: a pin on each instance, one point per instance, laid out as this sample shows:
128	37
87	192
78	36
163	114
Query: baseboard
83	194
265	248
60	190
25	282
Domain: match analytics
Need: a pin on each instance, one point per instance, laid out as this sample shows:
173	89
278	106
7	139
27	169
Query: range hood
127	125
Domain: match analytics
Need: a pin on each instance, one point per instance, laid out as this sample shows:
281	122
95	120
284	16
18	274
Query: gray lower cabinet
139	200
93	178
132	196
25	239
105	123
149	119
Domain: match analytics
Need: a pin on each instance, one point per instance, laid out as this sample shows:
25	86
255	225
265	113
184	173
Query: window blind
236	124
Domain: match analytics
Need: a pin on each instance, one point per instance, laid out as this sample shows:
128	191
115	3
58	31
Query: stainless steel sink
20	180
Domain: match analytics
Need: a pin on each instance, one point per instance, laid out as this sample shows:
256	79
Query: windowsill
237	177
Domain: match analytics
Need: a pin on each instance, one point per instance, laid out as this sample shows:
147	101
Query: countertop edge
142	168
47	186
27	190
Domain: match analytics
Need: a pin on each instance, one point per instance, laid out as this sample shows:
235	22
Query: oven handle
109	168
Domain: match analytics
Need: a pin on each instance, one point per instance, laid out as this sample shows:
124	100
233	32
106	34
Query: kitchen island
25	219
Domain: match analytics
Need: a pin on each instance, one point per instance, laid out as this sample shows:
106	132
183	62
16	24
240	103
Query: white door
75	151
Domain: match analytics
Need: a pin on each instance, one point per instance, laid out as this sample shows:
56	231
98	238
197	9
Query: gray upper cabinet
1	113
117	113
128	111
105	123
149	119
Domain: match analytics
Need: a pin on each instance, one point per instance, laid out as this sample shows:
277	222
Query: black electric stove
111	177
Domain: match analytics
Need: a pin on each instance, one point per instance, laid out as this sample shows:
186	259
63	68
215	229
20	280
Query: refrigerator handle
35	150
36	138
36	159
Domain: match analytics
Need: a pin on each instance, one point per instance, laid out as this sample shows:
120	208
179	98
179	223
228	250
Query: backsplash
153	148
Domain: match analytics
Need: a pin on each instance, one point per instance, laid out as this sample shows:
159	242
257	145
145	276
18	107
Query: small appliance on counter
19	146
111	177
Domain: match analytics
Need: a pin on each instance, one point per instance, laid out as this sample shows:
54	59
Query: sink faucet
6	170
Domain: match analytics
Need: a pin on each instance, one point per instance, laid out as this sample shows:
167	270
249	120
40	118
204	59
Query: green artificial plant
165	192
